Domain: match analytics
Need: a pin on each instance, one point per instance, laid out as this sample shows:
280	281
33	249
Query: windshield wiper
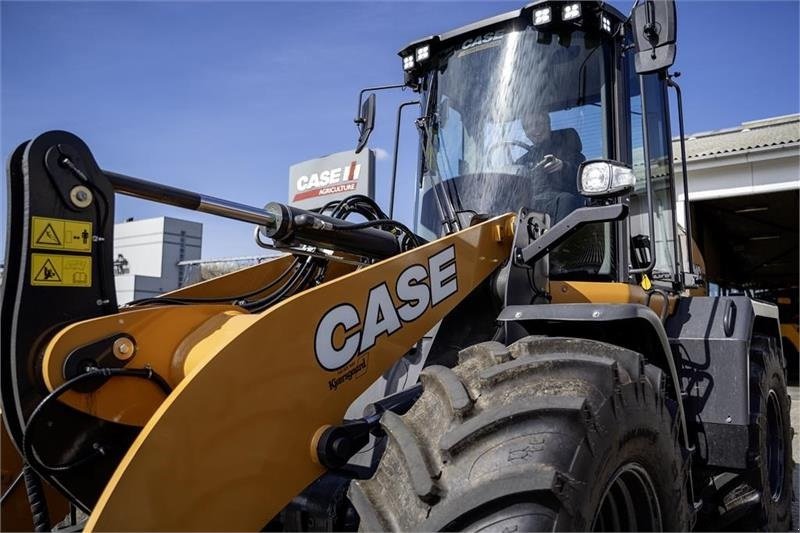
428	123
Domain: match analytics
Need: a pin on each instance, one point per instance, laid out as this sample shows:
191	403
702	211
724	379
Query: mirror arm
687	210
359	120
396	150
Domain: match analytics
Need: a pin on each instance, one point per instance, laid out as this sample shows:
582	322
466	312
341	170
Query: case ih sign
316	182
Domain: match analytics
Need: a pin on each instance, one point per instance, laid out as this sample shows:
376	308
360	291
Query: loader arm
234	442
197	410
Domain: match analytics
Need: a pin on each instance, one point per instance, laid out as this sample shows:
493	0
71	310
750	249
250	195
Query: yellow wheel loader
525	357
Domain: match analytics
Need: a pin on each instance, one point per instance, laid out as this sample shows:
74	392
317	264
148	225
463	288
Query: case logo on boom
418	288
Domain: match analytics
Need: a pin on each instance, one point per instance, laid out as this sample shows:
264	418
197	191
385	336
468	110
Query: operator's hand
551	164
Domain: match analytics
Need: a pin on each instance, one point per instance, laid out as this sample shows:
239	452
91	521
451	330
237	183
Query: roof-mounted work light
408	62
542	16
571	11
605	24
423	53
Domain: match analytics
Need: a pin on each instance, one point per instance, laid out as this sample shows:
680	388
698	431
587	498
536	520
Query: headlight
605	178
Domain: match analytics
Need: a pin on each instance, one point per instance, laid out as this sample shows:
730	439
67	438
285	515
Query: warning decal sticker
61	234
61	270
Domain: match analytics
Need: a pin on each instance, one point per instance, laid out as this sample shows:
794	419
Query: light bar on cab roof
542	16
571	11
605	23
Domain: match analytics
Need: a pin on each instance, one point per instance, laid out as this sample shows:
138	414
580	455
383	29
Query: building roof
753	135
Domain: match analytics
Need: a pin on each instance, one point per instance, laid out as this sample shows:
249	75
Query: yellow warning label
61	270
646	284
61	234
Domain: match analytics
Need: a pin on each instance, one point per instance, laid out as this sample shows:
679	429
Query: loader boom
260	382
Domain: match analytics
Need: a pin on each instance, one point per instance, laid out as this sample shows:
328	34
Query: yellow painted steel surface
792	333
231	445
157	332
564	292
249	279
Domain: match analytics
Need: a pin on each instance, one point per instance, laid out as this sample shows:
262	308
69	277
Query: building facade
148	254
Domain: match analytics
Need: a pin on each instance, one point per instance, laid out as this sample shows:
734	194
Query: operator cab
514	106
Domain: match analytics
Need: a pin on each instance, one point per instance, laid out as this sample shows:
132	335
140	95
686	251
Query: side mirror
366	122
654	32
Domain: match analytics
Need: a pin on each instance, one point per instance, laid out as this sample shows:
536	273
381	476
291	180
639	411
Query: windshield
510	118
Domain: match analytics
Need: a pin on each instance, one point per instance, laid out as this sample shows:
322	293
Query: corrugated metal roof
751	135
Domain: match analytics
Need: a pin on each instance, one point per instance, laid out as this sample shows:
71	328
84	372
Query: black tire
771	444
530	438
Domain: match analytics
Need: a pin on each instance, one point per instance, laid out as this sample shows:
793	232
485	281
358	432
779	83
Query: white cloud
381	154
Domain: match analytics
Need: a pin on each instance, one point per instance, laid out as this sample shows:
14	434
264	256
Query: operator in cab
552	163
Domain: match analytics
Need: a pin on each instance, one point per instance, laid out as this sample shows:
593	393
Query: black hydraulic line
651	222
687	210
36	499
157	192
382	222
353	203
29	453
235	297
298	279
396	150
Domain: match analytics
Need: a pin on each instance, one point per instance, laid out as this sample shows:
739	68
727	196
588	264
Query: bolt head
123	348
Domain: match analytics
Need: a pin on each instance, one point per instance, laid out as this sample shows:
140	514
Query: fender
712	336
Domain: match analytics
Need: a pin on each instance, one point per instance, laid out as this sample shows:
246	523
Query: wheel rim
629	502
775	445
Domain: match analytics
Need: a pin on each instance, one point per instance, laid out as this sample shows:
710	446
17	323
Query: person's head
536	125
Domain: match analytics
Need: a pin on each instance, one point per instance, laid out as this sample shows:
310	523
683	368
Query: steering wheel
507	146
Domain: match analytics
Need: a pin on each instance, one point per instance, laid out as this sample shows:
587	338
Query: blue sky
223	97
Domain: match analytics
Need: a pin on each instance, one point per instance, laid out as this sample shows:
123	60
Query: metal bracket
566	227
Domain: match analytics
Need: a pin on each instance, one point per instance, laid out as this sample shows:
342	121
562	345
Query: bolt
518	314
123	348
81	196
729	420
596	314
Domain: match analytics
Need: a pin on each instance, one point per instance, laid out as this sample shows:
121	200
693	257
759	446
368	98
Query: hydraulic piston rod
281	222
157	192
